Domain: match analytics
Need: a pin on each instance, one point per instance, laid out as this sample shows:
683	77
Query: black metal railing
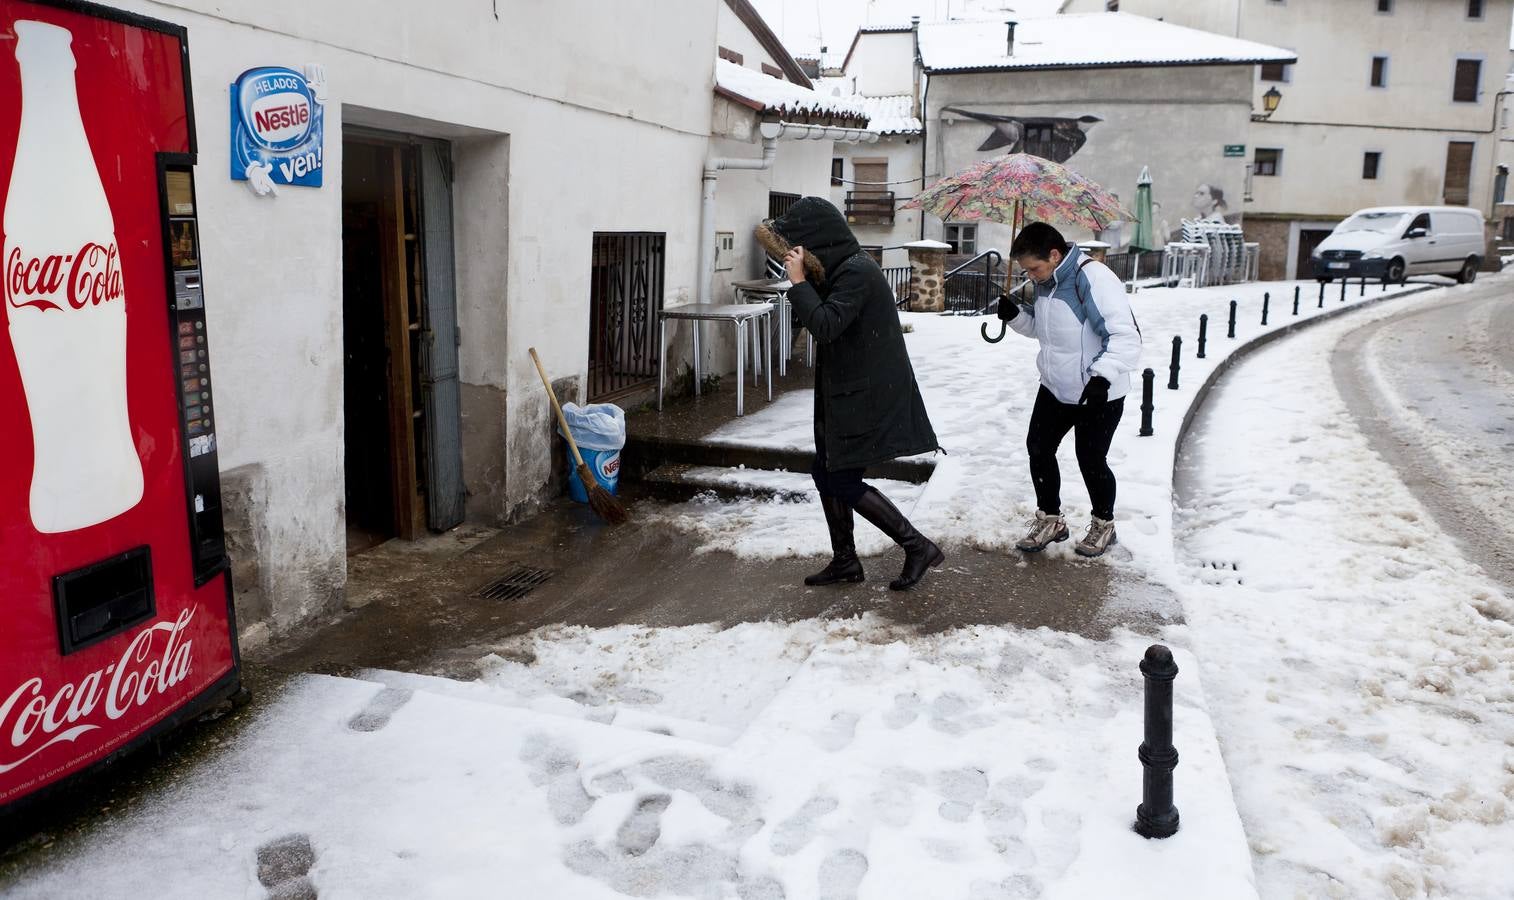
973	285
870	207
1125	264
898	282
625	295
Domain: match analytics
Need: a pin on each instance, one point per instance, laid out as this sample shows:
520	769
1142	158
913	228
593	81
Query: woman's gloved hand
1008	308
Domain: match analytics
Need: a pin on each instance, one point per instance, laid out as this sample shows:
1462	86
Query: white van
1392	242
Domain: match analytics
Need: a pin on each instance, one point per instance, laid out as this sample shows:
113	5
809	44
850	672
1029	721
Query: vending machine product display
116	620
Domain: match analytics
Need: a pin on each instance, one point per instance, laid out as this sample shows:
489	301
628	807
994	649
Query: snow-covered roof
765	93
891	115
1092	40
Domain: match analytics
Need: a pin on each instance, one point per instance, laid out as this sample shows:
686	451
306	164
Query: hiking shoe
1100	535
1044	531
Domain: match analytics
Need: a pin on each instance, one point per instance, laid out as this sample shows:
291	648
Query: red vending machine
116	621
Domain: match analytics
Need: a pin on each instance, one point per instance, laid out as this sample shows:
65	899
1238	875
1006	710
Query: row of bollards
1174	367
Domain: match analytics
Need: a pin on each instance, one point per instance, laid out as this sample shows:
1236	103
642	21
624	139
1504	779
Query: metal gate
625	295
440	391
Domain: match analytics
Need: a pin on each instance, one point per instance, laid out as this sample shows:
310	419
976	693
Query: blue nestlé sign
277	120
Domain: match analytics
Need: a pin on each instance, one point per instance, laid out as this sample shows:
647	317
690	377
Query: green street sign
1235	149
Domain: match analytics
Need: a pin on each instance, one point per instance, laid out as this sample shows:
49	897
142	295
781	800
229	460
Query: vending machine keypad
187	313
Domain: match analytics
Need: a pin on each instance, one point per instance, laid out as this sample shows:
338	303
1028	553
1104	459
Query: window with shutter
1379	71
1274	71
1474	9
1458	172
1468	74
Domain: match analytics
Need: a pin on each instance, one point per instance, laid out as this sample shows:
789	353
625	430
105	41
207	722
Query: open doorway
399	329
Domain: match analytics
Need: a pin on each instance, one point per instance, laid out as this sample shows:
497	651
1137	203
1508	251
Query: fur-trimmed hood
778	248
816	225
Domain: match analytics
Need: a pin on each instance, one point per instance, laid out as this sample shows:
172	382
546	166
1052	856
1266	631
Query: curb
1257	343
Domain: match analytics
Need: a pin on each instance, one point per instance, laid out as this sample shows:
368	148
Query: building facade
1106	94
1391	102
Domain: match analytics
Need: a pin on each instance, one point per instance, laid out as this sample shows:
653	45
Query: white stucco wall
562	127
1342	116
882	63
1176	120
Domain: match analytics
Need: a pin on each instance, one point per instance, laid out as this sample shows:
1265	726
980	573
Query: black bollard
1231	332
1203	333
1343	289
1156	817
1177	352
1147	377
1295	300
1364	287
1266	300
1321	295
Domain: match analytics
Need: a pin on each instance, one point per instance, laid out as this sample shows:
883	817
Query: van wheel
1395	273
1468	273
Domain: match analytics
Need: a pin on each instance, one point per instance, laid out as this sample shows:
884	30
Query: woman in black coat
867	406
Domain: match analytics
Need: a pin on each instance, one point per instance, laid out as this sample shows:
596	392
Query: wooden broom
601	501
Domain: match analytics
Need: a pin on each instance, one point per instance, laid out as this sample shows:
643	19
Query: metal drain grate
515	584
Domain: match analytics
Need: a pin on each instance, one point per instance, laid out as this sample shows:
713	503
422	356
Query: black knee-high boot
919	553
844	566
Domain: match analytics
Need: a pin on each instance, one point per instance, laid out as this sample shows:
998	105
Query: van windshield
1380	222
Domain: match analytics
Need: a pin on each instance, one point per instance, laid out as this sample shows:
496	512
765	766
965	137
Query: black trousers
846	484
1093	430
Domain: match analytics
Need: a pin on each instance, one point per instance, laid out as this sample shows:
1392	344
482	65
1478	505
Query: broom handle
561	419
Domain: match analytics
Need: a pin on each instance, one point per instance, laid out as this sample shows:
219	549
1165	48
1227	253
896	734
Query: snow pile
1360	670
845	760
1086	40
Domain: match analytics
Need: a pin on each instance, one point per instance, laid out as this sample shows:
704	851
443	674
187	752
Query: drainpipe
713	166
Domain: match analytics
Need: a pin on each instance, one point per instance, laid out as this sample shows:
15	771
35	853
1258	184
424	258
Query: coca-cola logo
89	276
35	717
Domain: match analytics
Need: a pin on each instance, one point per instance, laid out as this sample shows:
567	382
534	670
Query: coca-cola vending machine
116	621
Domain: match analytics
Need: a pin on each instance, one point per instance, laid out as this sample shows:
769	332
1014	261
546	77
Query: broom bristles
602	501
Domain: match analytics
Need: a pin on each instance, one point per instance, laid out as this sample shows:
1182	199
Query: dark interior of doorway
1308	240
381	292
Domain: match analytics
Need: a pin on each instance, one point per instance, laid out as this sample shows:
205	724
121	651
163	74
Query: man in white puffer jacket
1089	347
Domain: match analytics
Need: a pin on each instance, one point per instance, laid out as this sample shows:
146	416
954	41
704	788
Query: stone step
677	482
644	454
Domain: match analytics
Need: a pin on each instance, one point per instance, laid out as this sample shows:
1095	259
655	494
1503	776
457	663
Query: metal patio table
776	291
739	315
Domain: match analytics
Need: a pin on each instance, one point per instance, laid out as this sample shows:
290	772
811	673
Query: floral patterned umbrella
1016	188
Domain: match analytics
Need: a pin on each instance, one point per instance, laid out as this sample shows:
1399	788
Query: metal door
440	391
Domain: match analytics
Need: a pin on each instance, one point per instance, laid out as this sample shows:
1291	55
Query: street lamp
1270	100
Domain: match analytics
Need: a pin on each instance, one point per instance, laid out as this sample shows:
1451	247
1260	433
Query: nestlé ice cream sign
277	118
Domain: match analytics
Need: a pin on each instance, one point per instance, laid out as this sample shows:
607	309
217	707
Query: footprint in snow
794	832
841	875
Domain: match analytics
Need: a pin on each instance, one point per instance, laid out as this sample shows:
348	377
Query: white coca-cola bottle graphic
64	299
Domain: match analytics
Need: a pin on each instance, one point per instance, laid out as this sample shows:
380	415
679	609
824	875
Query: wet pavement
423	611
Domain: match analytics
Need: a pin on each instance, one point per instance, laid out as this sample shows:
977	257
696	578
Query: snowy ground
856	759
819	760
1360	670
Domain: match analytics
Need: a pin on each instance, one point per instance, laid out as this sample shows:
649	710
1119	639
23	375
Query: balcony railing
870	207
